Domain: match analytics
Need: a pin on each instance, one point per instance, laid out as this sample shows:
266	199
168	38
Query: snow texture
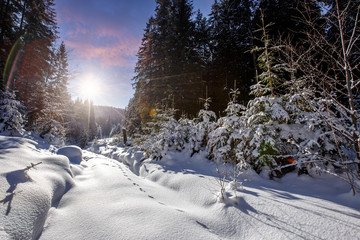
27	192
131	197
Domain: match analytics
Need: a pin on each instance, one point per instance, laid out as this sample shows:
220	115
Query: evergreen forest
267	84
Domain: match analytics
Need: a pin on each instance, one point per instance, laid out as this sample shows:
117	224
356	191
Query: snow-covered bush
77	134
200	127
52	131
164	133
11	119
221	147
224	135
259	133
285	131
272	134
199	136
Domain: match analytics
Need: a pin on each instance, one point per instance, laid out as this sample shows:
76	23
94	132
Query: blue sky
103	38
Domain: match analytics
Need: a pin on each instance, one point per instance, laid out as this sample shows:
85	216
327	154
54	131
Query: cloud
107	31
121	53
121	15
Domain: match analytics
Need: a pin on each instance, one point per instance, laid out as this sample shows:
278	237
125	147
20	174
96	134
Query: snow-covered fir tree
165	133
200	135
224	135
270	79
11	118
50	127
52	120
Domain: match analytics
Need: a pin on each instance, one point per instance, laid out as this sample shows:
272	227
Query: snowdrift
293	207
31	182
45	196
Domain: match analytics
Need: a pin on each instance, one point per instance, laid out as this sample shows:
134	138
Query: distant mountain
115	114
108	118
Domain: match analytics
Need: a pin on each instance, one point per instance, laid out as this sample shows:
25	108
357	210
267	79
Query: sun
89	90
90	87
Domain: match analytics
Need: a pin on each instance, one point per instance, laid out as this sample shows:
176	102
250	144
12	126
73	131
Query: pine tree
168	67
270	80
202	41
9	18
132	118
224	137
285	17
91	121
186	72
55	113
38	33
230	23
145	71
11	119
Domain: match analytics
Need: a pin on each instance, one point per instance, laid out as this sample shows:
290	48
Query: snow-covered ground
175	198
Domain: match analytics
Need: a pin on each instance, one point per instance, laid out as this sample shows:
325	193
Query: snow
27	193
73	153
125	196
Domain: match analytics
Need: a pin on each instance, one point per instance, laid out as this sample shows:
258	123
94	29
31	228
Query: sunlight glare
89	88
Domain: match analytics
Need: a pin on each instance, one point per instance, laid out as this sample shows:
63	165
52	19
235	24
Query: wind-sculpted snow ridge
31	182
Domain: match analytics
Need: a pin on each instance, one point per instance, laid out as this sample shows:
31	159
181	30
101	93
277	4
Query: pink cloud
120	54
108	31
111	43
75	33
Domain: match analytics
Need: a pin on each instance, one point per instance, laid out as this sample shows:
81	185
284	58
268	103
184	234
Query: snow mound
31	182
74	153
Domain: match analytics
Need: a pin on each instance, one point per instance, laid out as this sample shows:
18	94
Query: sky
102	38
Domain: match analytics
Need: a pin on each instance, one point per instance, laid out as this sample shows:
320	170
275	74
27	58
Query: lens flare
152	112
11	64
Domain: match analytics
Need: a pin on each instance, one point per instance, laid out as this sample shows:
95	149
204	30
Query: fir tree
132	118
11	119
224	137
38	33
270	79
9	18
91	121
55	113
231	60
168	66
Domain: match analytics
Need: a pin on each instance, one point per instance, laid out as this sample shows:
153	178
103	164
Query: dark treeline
185	56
